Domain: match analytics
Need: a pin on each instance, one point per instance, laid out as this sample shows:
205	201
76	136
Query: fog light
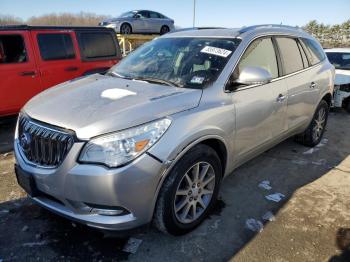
108	212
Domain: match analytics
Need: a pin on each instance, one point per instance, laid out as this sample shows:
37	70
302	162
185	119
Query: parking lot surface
315	210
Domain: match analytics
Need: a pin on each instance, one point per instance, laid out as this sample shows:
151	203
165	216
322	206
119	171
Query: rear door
19	77
303	90
58	59
260	109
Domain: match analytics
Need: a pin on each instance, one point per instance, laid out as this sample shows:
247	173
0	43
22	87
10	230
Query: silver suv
153	139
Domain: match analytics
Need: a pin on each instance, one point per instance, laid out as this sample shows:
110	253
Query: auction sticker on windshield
216	51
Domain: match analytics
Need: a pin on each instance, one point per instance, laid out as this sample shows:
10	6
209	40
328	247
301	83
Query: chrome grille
43	145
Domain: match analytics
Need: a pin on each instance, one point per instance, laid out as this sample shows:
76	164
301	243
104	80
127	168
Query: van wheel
313	134
189	192
125	29
165	29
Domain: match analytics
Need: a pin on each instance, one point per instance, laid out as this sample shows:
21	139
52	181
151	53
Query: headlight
122	147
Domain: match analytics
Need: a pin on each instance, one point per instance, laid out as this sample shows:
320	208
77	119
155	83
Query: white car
340	58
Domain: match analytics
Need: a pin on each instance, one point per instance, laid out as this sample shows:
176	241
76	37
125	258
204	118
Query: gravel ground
308	219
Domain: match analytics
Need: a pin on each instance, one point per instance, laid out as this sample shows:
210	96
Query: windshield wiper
157	81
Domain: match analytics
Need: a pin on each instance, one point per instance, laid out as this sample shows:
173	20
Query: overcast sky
226	13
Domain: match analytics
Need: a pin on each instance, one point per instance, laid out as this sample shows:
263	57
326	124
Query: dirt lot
316	209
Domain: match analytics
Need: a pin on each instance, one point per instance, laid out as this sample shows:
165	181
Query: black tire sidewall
201	153
125	25
162	30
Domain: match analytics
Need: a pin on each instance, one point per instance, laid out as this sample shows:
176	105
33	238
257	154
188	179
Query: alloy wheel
194	192
320	122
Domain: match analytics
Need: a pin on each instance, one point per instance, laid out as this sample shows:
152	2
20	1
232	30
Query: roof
241	32
29	27
337	50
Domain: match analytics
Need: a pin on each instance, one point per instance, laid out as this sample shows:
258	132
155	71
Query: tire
125	29
347	107
314	133
165	29
177	192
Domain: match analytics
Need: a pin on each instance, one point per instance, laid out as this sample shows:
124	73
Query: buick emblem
25	141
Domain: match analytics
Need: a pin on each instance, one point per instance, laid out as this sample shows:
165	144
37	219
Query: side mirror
137	16
253	75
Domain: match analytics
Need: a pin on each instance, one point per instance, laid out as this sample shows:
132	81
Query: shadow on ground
28	231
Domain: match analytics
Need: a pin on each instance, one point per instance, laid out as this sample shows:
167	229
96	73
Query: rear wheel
189	192
125	29
165	29
313	134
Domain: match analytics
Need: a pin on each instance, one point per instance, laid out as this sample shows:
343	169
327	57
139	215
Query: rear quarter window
313	51
97	45
56	46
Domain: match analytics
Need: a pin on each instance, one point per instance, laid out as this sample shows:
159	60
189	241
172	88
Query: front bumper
73	189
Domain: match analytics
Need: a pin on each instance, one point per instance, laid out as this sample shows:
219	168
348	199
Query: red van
34	58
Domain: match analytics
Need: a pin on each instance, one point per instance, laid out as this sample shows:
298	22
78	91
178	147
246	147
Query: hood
342	77
100	104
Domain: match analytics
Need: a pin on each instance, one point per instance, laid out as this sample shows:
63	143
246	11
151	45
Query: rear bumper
74	190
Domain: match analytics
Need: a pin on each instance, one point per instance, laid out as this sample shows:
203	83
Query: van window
55	46
12	49
313	51
97	45
291	57
260	53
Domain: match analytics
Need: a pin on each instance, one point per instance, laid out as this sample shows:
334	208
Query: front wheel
189	192
125	29
313	134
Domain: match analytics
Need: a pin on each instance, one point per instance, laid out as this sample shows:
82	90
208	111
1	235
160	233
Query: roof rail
197	28
249	28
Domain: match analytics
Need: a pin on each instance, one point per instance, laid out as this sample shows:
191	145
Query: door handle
281	98
313	85
71	69
27	73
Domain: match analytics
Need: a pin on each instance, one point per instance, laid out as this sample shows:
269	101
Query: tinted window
97	45
12	49
56	46
303	55
313	51
260	53
154	15
291	57
144	14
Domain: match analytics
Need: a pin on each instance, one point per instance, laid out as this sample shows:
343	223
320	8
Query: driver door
141	22
260	109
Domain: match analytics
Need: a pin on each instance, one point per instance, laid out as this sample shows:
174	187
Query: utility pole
194	13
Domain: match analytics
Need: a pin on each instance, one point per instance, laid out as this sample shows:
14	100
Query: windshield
128	14
339	60
183	62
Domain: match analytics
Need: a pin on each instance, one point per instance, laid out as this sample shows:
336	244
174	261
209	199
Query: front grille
43	145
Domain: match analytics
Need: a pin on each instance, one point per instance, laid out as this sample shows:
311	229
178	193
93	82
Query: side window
12	49
260	53
154	15
313	51
96	45
144	14
303	55
55	46
290	54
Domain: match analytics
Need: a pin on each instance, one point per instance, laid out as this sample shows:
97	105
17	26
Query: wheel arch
126	23
328	98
